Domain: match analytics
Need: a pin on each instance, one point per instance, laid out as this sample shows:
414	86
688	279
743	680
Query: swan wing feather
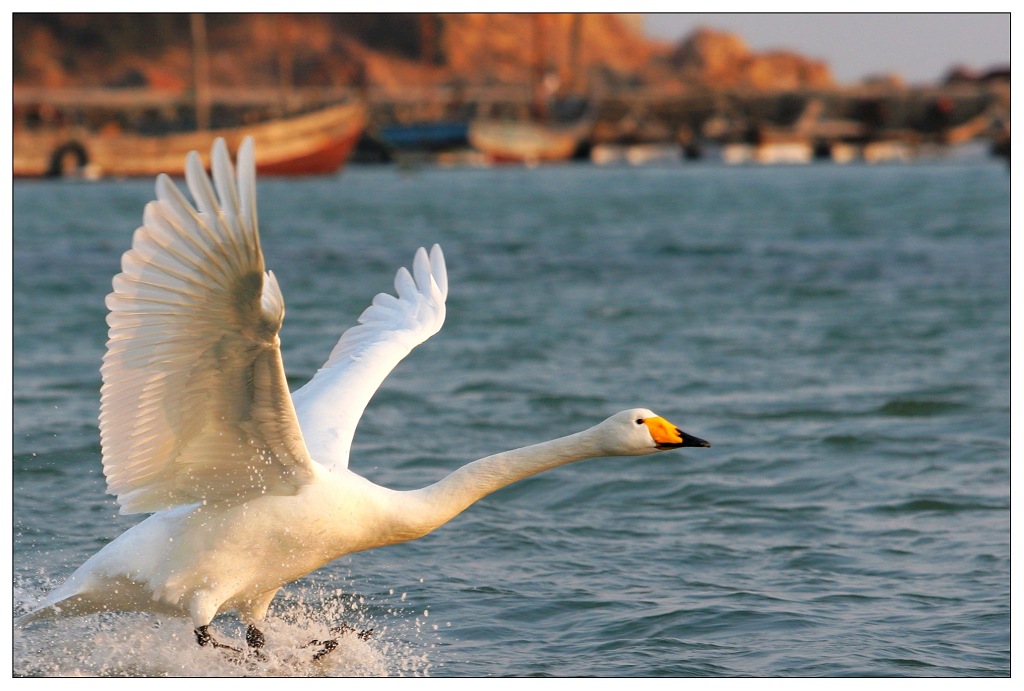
330	405
194	403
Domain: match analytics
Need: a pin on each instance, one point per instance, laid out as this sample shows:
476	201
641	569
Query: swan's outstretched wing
330	405
195	406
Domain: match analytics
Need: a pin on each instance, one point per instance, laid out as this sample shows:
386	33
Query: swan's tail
46	611
59	603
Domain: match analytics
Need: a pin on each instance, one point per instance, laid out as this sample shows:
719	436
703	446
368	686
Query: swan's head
639	431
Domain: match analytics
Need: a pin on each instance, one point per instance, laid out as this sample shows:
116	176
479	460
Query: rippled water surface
840	334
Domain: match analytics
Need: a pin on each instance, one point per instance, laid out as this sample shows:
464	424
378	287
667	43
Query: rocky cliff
388	51
717	59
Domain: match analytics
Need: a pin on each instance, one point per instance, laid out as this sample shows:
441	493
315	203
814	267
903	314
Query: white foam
128	644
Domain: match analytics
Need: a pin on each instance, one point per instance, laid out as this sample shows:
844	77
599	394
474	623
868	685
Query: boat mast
285	67
537	73
575	34
200	71
428	39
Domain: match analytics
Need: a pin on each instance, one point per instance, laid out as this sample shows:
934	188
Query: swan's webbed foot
332	643
363	635
205	638
253	637
328	646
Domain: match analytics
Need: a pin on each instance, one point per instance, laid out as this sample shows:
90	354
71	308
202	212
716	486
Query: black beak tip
690	440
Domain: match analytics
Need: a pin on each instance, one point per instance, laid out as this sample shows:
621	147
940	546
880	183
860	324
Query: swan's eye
639	421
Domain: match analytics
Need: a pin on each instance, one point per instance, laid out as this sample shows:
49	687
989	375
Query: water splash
130	644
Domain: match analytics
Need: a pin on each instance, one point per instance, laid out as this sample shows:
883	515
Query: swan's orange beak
668	436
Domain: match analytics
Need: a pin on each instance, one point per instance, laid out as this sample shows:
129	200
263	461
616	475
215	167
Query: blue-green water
840	334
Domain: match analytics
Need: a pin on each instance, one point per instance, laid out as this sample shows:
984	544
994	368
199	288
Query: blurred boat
636	154
888	151
526	141
317	142
774	153
784	153
559	122
443	135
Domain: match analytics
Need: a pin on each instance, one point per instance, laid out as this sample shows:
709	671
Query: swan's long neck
444	500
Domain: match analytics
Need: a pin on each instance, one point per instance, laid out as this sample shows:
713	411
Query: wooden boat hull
314	143
425	136
525	142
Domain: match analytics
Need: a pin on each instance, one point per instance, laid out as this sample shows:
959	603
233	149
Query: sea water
840	334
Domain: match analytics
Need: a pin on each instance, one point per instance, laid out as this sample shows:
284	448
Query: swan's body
249	486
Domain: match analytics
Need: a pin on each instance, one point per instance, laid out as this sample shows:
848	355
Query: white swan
249	485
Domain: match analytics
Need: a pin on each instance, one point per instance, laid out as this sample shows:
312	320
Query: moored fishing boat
316	142
526	141
443	135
